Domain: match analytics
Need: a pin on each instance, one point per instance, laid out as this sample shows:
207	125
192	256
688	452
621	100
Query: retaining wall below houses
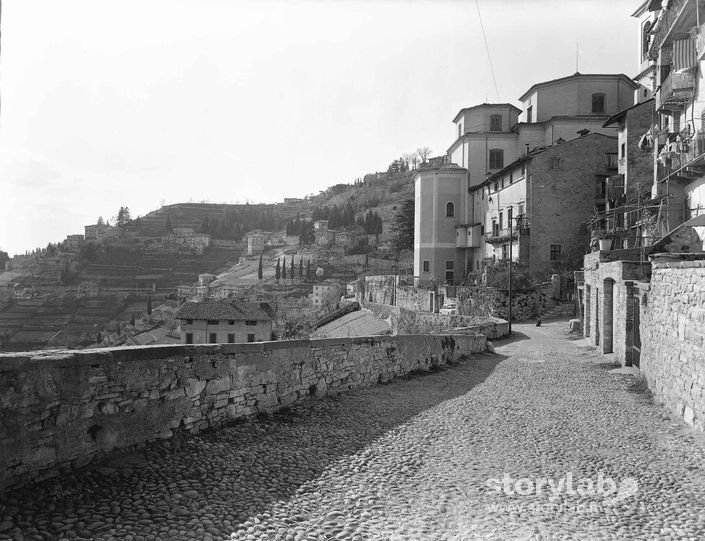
62	409
491	327
673	338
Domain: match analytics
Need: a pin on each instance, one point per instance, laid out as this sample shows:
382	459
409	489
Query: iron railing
692	153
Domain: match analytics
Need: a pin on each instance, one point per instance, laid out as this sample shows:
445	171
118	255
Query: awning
684	55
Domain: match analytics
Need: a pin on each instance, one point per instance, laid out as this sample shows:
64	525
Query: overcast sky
136	103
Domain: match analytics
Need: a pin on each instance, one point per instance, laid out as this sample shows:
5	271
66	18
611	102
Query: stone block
194	387
218	385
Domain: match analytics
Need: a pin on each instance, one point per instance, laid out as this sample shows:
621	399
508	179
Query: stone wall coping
670	264
11	362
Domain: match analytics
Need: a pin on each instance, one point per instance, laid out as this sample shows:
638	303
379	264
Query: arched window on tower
645	38
450	209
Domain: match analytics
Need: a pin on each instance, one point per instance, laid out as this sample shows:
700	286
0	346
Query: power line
487	48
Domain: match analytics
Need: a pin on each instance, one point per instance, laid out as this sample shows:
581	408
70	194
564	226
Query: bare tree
424	153
414	160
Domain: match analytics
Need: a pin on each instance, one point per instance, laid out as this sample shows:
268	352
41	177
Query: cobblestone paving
423	458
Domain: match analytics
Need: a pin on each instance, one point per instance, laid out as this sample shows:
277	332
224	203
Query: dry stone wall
62	409
673	331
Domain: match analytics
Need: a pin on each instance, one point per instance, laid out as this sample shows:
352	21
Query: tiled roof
225	310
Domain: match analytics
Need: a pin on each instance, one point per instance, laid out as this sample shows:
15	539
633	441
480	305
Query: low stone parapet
62	409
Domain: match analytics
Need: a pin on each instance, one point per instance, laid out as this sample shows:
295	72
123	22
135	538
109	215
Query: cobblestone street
538	441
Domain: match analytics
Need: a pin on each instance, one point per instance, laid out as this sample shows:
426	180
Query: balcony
686	164
675	91
679	17
502	235
467	236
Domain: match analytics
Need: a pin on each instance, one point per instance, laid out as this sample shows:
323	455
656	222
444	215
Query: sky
140	103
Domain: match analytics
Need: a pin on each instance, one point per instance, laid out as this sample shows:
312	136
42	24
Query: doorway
608	307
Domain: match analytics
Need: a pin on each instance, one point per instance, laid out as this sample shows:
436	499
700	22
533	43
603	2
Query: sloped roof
621	114
358	323
225	310
577	75
482	105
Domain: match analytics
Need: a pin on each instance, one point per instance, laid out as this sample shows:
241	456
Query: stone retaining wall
62	409
673	338
491	327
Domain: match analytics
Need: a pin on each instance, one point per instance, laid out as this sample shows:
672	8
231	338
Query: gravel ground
427	457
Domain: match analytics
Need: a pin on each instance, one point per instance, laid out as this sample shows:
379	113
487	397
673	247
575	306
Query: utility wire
487	48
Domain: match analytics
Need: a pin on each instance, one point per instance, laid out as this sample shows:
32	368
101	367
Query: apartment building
450	234
224	322
672	48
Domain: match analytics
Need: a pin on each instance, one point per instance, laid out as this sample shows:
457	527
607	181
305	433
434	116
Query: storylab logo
611	491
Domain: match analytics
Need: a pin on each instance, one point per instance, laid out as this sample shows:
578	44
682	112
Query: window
231	322
598	103
426	266
555	252
612	161
450	209
189	338
496	186
496	158
505	251
250	337
645	38
212	322
231	338
189	322
460	130
449	271
211	338
530	114
624	150
495	122
251	323
501	220
555	163
600	187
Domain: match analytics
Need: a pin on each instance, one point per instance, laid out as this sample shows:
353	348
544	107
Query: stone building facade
611	302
